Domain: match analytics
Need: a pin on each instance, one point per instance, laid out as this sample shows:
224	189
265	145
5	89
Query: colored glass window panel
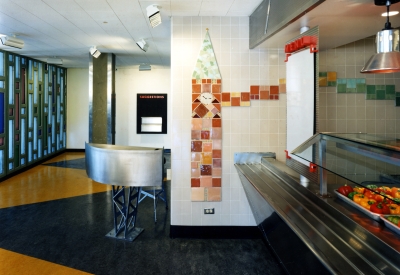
2	113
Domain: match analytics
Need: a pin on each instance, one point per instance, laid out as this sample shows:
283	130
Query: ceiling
66	29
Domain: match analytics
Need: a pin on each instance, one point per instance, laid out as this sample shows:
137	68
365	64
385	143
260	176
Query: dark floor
71	232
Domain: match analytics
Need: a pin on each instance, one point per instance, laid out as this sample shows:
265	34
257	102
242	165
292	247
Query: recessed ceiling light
391	13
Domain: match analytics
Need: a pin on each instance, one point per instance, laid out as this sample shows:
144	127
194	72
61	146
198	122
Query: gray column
102	99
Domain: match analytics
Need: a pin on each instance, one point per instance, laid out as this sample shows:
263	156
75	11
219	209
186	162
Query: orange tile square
217	106
216	122
207	124
196	156
213	193
195	182
254	89
196	88
226	97
217	172
193	81
323	81
282	88
216	182
264	94
197	194
194	164
274	90
195	173
219	81
203	80
208	80
245	96
196	134
205	134
216	133
216	154
207	146
194	106
332	76
195	98
235	101
206	181
206	158
197	123
206	88
217	98
216	88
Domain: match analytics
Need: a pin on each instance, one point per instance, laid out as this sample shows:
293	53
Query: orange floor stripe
45	183
12	263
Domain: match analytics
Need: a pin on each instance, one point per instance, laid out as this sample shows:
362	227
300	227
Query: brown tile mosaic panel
206	138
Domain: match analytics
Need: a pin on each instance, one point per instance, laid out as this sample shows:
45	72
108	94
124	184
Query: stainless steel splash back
279	13
124	165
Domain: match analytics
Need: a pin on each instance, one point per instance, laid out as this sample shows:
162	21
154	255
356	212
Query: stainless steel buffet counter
329	235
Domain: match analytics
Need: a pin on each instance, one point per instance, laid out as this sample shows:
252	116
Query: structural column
102	99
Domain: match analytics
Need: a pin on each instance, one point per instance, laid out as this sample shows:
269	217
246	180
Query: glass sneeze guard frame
358	157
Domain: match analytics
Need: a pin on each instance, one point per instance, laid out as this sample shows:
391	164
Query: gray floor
72	232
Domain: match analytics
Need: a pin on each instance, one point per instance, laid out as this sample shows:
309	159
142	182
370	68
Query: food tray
370	214
389	224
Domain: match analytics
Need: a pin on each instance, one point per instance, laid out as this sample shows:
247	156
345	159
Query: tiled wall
260	127
341	111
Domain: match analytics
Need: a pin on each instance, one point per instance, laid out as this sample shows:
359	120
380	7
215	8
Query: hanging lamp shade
387	57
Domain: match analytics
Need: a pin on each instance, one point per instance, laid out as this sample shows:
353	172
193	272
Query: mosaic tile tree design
206	140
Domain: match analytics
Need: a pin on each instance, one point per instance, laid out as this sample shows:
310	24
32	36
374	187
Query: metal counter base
332	232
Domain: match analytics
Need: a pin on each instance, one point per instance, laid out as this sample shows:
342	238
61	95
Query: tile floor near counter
54	221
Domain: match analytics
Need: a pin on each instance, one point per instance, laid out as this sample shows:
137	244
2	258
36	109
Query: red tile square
216	182
254	90
216	122
196	135
219	81
195	182
203	80
208	80
264	95
218	107
196	88
205	134
195	98
216	154
205	170
194	106
226	97
245	96
193	81
274	90
235	101
196	146
216	88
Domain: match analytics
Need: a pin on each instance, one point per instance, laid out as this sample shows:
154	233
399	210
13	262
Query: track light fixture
154	15
55	61
12	41
94	52
142	45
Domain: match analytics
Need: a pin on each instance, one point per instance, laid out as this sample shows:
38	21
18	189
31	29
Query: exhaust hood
387	57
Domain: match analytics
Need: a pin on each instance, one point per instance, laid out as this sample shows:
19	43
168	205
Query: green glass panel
390	97
360	80
323	74
351	90
361	88
341	81
371	89
370	97
380	94
331	83
390	89
341	88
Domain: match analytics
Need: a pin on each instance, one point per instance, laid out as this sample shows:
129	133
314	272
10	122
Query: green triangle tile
206	65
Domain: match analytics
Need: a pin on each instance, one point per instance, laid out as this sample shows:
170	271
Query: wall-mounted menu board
151	114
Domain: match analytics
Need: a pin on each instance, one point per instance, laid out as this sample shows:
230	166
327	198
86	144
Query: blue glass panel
40	148
29	151
48	144
58	142
35	133
30	69
1	161
35	87
40	132
11	138
34	156
22	111
22	161
35	64
53	89
10	166
11	85
62	89
58	109
2	113
45	110
40	71
10	57
2	84
29	134
17	68
23	136
46	88
23	60
53	129
30	111
1	64
30	87
61	124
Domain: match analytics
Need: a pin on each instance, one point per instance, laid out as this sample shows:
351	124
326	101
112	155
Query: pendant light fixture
387	58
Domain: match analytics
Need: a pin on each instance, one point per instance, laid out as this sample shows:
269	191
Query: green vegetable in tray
372	186
394	219
351	195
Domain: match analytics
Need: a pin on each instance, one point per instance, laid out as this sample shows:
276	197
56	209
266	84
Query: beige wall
352	112
259	128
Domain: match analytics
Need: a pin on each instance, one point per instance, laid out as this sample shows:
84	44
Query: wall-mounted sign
151	114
